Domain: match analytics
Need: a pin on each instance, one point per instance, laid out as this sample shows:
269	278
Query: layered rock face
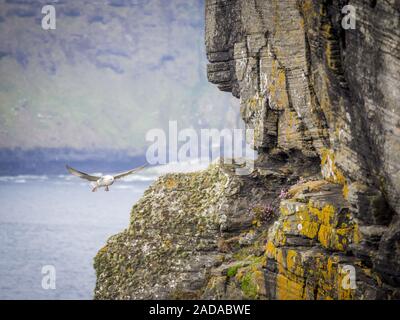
307	84
319	216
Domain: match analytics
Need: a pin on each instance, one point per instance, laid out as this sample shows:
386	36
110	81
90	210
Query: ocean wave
150	173
23	178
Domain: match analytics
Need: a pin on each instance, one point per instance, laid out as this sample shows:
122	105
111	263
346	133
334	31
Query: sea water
56	222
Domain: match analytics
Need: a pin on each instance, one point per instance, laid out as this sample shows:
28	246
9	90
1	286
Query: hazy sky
111	71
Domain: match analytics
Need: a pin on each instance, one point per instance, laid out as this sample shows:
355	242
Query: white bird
101	181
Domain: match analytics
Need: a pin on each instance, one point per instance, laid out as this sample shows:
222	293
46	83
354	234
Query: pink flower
284	194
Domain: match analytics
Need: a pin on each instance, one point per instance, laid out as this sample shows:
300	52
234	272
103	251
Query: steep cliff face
308	85
319	216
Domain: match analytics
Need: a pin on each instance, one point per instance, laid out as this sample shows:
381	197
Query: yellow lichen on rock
270	250
325	280
287	289
309	271
276	87
329	169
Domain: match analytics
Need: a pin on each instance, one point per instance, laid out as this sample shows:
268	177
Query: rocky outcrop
190	230
319	216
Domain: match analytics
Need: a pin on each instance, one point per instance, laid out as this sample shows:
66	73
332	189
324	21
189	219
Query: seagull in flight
101	181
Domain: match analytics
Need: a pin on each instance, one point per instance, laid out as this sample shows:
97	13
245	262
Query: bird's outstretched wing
81	174
123	174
